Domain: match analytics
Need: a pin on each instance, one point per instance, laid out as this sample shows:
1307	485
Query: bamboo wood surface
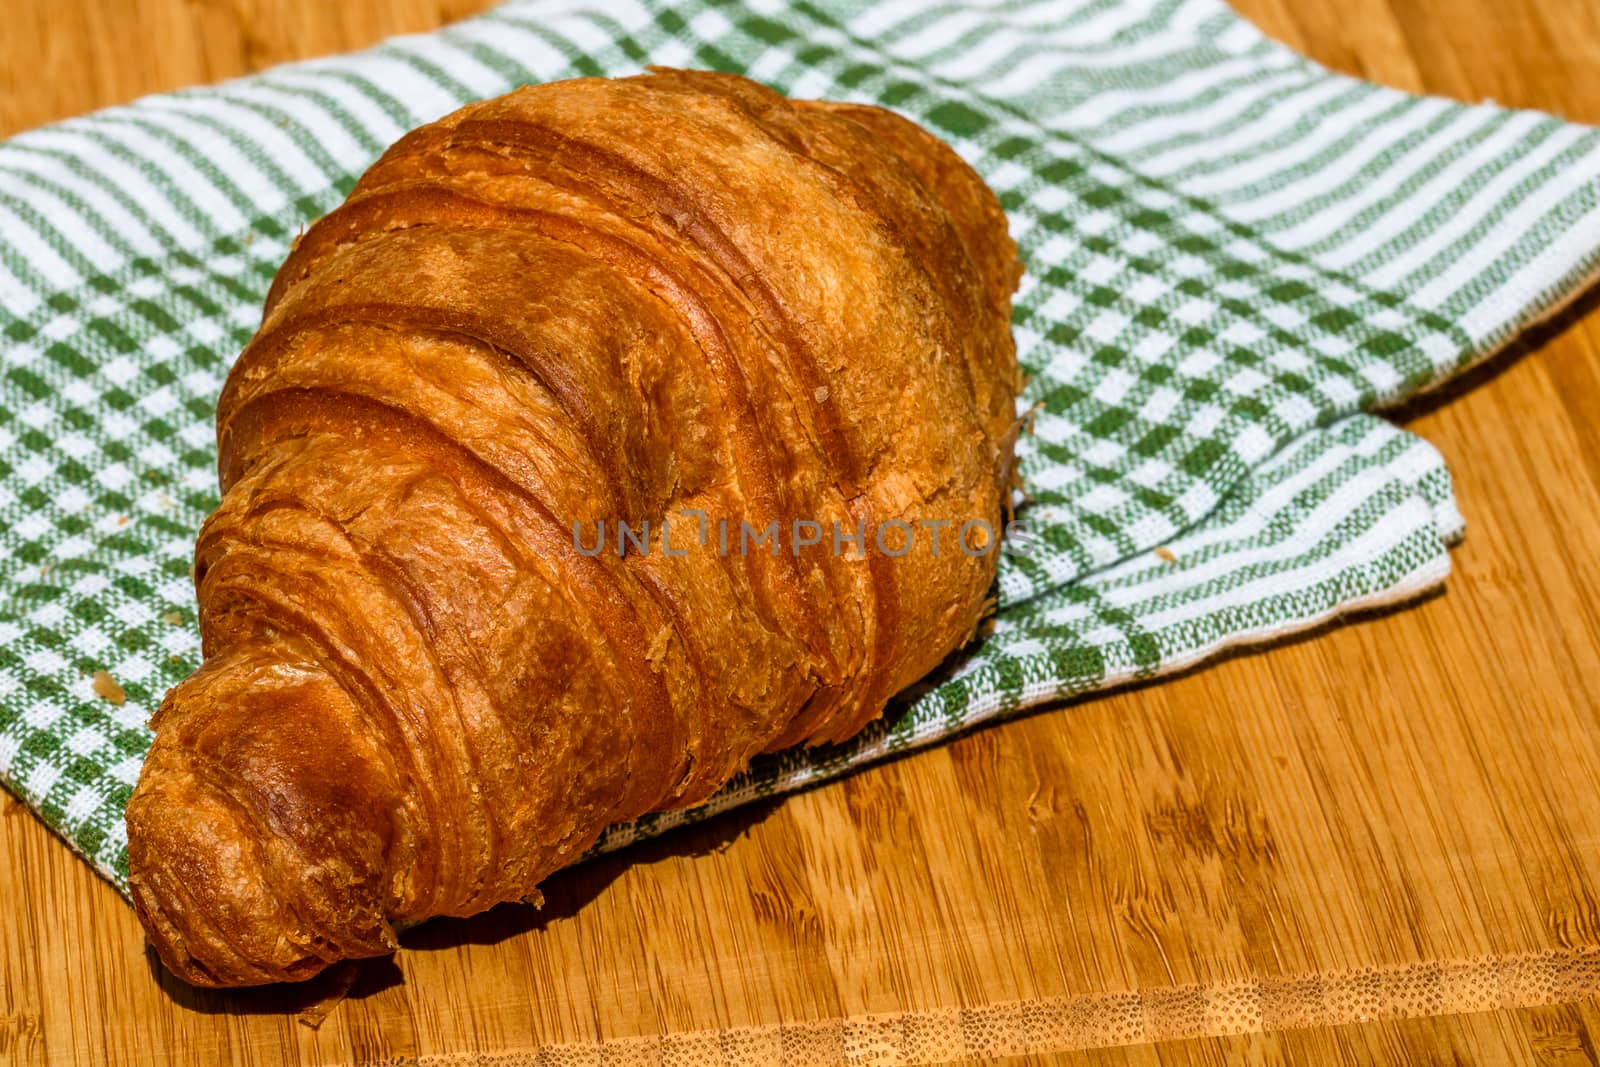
1394	820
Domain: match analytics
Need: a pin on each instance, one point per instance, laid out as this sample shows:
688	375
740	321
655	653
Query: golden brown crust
580	303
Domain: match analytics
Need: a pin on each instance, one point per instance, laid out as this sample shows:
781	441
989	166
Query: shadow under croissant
565	893
568	891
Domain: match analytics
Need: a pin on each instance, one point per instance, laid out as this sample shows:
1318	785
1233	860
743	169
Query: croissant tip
157	883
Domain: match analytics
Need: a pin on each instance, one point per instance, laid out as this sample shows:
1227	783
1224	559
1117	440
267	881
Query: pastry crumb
1032	417
658	648
172	618
821	394
107	689
336	986
1165	554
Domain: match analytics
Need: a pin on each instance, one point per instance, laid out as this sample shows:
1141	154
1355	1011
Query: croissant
603	439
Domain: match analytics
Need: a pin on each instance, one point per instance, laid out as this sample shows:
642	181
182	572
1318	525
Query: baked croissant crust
679	300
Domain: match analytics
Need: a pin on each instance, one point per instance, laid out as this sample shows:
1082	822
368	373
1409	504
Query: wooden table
1395	820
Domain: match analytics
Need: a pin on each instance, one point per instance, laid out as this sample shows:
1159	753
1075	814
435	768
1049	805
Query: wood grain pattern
1338	828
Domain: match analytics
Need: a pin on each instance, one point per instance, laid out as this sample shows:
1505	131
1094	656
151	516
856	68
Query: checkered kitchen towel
1232	254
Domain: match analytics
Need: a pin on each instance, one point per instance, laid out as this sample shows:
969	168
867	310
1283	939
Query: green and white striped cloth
1232	255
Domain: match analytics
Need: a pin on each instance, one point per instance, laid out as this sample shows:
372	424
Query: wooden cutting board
1329	851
